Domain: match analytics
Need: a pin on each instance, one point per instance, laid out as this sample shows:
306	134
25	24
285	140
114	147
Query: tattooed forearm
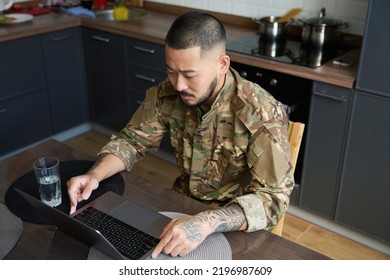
225	219
231	218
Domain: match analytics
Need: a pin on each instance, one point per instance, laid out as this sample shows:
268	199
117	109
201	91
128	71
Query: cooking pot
321	32
273	36
271	30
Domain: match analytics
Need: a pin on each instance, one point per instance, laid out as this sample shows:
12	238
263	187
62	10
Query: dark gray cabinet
24	104
363	202
106	78
64	65
325	142
365	190
145	68
374	67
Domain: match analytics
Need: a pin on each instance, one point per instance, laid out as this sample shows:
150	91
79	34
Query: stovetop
291	52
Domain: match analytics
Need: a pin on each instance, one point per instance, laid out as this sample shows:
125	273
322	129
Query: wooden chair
295	134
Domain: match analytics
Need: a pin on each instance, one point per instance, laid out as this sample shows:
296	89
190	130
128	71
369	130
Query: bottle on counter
100	4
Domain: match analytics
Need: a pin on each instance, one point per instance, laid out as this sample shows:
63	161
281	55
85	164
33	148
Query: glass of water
47	172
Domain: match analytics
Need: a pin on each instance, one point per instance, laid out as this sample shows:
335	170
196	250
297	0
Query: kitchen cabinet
64	65
106	78
24	104
145	68
363	202
374	67
325	142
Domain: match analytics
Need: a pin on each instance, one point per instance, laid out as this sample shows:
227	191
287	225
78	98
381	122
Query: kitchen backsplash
351	11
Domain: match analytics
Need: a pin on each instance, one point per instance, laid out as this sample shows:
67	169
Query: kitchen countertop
153	28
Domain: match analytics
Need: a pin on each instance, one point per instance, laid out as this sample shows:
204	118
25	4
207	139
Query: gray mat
214	247
11	228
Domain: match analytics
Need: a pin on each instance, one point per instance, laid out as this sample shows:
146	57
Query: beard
204	99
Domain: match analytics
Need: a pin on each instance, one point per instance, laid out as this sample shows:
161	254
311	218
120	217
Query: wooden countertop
153	28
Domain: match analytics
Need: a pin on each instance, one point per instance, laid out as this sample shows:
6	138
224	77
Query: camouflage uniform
243	135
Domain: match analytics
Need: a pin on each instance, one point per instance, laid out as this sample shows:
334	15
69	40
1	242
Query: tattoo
230	218
226	219
192	230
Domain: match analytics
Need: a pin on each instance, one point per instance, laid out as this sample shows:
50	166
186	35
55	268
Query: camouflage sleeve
143	132
267	197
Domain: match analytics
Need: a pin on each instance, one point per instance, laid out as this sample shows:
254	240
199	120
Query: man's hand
181	236
186	233
80	188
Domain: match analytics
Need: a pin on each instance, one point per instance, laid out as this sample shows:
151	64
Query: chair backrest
295	134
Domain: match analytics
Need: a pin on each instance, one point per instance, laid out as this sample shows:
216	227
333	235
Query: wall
351	11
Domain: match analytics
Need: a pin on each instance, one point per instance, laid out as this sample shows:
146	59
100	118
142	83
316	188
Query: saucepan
273	36
272	30
321	32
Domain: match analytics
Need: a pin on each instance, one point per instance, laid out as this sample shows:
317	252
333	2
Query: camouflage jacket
237	152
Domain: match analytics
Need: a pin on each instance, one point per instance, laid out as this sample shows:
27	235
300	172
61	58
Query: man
222	128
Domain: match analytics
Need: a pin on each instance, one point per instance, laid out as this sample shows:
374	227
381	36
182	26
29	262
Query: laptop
111	212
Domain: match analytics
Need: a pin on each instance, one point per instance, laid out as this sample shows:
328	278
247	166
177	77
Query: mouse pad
68	169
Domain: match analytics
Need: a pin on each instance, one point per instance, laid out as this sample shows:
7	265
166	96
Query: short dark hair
196	29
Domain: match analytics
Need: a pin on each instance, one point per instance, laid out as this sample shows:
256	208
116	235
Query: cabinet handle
3	110
337	99
142	77
60	38
142	49
101	39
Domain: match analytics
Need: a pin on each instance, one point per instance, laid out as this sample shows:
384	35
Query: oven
294	92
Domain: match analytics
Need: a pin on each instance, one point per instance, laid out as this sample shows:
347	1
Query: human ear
224	62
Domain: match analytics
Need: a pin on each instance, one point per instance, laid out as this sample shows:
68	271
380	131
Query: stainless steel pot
273	36
270	30
320	32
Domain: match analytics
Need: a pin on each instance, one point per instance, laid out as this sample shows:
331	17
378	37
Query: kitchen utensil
273	36
289	15
272	30
321	32
319	39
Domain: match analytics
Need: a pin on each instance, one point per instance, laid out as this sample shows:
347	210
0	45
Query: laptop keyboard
128	240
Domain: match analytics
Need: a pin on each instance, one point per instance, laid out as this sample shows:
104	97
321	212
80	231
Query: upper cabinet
374	68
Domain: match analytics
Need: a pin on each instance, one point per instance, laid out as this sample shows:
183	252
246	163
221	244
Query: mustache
184	93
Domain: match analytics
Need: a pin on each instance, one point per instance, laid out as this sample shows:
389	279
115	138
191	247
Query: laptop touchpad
138	216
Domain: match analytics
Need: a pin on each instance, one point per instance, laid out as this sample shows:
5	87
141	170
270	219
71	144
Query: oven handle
337	99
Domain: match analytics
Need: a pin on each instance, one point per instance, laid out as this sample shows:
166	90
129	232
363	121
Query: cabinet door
21	67
365	190
23	120
324	148
64	62
145	68
104	53
374	68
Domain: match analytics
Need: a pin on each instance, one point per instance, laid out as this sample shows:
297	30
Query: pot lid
322	20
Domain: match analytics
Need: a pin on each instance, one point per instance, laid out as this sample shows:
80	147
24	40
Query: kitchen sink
108	14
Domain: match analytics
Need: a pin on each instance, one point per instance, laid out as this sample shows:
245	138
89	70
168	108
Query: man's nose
181	83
